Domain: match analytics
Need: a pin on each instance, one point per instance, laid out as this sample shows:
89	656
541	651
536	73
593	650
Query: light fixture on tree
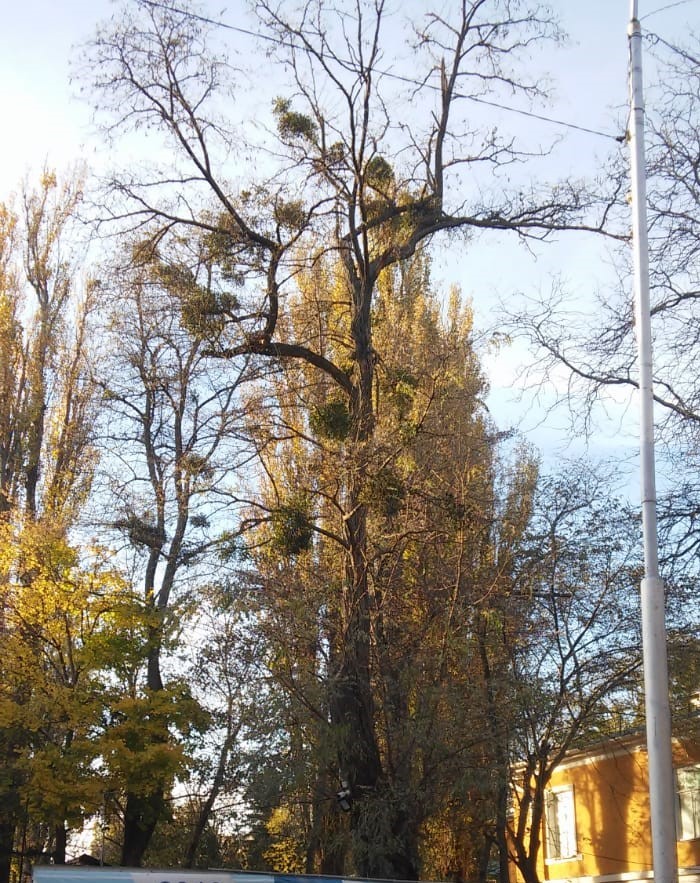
344	797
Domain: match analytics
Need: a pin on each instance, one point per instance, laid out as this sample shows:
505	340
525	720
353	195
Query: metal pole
658	714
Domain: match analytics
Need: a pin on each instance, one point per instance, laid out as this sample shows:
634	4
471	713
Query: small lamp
344	797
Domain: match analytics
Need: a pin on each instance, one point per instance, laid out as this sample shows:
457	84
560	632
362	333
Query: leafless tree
573	655
597	347
171	437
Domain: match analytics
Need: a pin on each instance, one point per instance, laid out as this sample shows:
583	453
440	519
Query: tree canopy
278	592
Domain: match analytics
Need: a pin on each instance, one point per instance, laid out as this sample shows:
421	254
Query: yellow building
596	827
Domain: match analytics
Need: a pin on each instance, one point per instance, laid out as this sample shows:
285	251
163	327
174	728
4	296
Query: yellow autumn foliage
73	636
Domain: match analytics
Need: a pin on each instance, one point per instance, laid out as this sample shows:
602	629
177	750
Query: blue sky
50	124
38	39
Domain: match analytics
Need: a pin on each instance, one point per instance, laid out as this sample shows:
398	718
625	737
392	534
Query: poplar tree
47	453
431	509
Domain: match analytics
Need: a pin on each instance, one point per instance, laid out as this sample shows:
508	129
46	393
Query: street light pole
658	714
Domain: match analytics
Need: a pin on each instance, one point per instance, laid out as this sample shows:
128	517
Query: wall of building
612	815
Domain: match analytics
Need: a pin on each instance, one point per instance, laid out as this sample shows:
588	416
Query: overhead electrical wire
664	8
391	75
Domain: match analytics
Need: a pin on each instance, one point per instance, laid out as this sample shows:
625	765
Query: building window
560	824
688	780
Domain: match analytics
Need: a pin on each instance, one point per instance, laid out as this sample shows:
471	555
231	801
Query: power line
664	8
391	75
542	117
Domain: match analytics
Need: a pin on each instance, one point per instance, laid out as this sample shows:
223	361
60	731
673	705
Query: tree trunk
353	709
352	705
61	839
332	843
525	838
10	812
7	839
140	819
501	837
206	809
143	811
498	737
375	852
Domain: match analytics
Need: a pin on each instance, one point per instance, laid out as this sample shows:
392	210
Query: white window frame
560	825
688	802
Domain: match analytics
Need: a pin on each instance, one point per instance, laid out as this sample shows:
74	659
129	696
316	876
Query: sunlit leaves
60	615
292	526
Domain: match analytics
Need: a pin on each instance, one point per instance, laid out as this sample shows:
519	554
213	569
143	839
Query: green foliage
68	626
379	174
292	125
335	154
292	527
222	246
402	386
331	420
143	252
290	214
684	675
384	492
141	530
230	547
139	747
171	837
174	277
205	312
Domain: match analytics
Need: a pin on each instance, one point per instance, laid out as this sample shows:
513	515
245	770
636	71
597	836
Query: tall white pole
658	714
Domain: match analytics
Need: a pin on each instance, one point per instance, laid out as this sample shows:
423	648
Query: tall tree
598	349
48	402
571	637
170	440
68	614
48	405
348	169
429	495
224	674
